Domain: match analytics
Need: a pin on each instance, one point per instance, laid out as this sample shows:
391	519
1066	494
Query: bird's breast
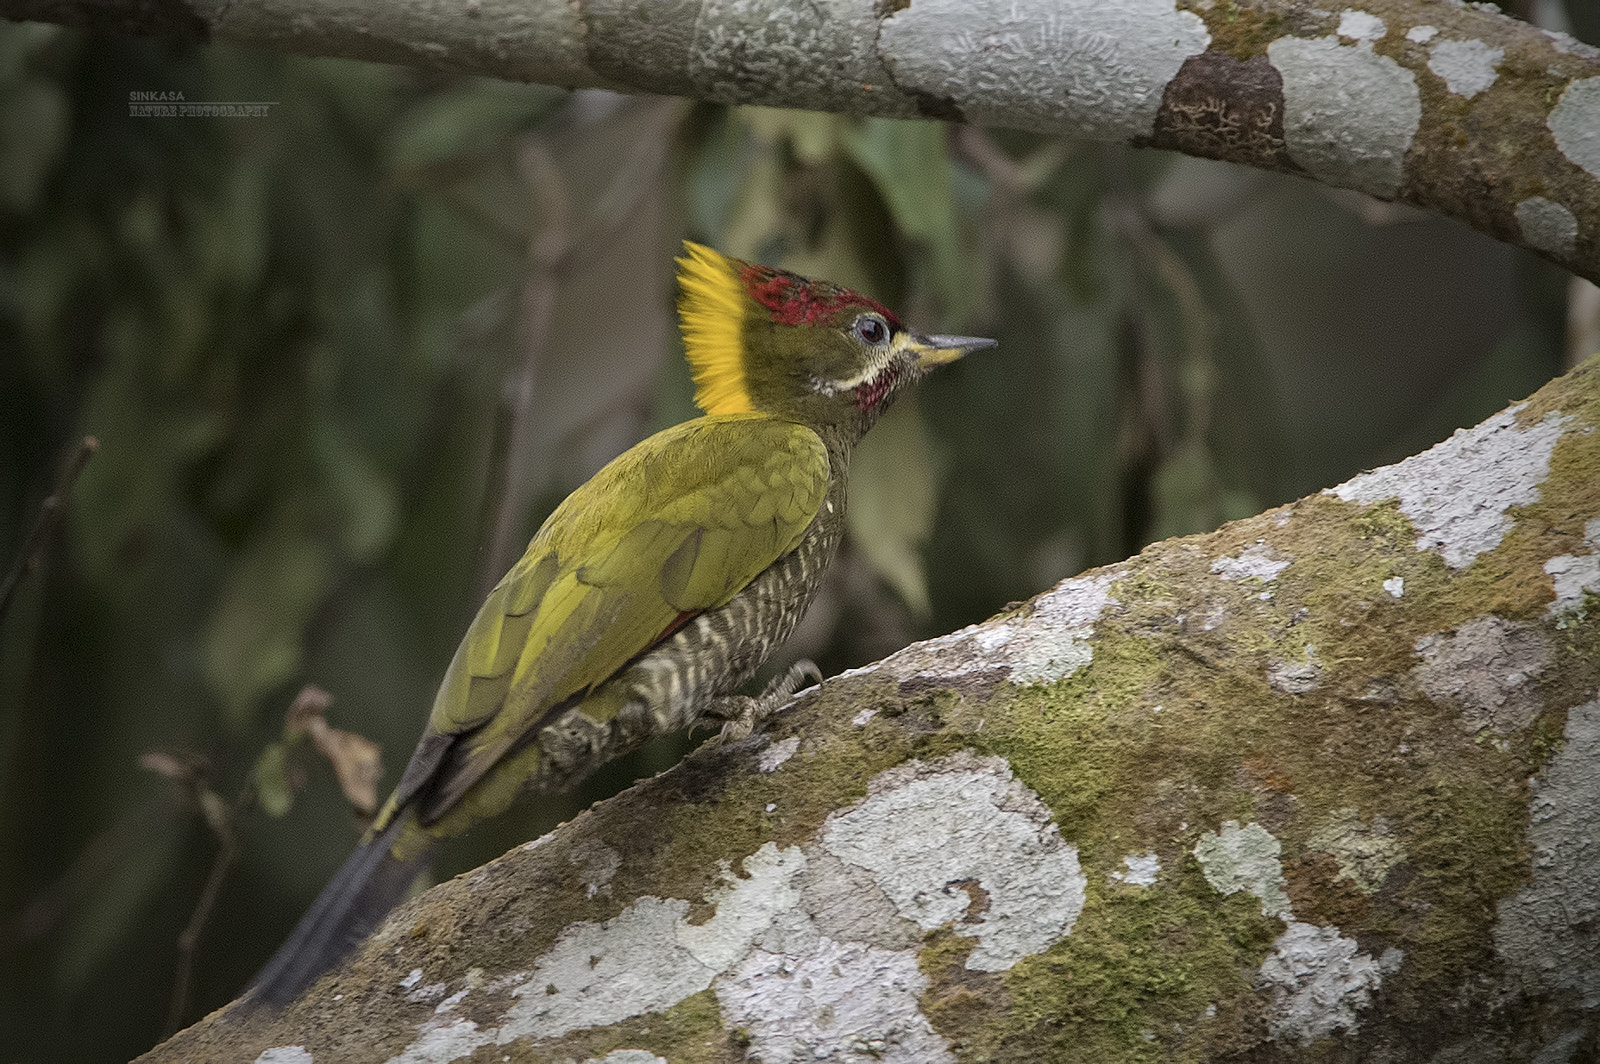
720	649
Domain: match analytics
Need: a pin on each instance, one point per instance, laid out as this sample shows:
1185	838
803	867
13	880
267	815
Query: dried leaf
171	766
310	704
357	761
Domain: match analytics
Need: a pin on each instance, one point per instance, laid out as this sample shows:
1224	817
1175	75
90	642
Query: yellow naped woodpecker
654	590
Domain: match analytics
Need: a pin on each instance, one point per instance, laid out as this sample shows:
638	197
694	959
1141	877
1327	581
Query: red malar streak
870	393
793	300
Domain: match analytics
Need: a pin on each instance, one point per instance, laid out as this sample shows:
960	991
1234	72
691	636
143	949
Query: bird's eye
871	329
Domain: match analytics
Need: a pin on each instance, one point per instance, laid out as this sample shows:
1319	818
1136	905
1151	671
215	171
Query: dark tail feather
355	900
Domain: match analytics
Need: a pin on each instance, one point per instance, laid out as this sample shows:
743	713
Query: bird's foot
742	714
783	687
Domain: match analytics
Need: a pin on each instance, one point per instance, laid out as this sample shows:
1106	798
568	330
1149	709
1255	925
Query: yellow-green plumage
679	524
654	590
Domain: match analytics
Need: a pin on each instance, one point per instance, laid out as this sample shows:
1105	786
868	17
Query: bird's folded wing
679	524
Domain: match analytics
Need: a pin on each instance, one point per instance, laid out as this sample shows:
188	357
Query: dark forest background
342	359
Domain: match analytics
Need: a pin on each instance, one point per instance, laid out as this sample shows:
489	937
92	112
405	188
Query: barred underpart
669	687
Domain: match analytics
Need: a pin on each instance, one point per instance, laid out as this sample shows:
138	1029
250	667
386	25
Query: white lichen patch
1489	669
441	1042
1098	69
285	1055
1572	575
1547	226
1295	677
1350	114
1048	642
427	994
449	1004
839	1001
1318	980
1467	67
1361	26
650	957
1395	586
813	950
778	753
960	842
628	1056
1365	852
1258	560
1567	44
597	863
1456	493
1246	858
1143	868
1550	929
1422	34
646	959
1052	643
1575	122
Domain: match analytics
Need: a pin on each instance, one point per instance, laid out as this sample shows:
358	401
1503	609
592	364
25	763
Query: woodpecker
655	590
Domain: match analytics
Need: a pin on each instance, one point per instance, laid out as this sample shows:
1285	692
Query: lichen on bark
1353	825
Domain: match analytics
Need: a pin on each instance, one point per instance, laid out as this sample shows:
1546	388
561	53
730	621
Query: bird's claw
741	714
783	686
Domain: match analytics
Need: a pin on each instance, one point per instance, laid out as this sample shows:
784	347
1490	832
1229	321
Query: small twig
1013	178
537	307
50	511
355	760
1199	370
189	938
192	772
561	248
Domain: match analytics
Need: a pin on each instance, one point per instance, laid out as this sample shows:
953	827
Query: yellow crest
711	309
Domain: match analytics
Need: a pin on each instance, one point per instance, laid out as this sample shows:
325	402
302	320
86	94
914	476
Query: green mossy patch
1240	31
967	1008
1144	976
830	770
690	1032
1468	851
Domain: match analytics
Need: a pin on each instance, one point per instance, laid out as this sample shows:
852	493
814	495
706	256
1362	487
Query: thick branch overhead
1450	107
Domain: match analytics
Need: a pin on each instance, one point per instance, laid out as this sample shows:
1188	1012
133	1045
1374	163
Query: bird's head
764	339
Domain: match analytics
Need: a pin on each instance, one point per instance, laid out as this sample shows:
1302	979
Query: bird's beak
937	350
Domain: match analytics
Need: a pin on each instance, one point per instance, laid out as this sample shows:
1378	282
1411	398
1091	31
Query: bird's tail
370	883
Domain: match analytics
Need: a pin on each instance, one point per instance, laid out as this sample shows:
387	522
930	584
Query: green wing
676	525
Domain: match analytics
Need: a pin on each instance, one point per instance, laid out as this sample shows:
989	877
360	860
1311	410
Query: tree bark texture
1449	106
1320	785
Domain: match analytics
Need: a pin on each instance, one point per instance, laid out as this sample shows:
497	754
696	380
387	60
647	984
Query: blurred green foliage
342	359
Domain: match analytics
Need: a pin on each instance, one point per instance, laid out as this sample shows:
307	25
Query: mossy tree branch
1450	107
1319	784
